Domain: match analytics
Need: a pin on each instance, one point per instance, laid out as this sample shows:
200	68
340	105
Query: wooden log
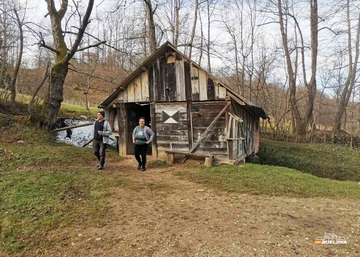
189	154
87	142
71	127
209	161
170	158
234	139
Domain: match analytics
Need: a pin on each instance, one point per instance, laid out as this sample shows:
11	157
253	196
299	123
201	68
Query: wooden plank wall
195	87
171	126
165	81
256	126
246	130
234	134
123	131
203	113
170	80
180	80
203	87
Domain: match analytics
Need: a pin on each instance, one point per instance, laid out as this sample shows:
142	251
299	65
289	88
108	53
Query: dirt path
169	216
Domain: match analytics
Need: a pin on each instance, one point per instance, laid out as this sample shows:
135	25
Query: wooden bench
170	157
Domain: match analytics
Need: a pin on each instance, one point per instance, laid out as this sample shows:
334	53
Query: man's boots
102	162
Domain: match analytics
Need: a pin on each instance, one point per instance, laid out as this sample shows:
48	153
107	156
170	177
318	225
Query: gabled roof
252	108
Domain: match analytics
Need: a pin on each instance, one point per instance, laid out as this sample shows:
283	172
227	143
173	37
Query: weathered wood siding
203	114
165	80
180	80
234	138
256	126
171	126
195	87
203	87
239	149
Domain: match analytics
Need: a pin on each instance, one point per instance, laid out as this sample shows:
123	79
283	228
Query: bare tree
192	36
6	40
353	59
210	8
151	23
63	54
19	58
301	122
241	27
35	94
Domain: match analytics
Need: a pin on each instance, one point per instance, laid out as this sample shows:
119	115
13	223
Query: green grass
66	110
47	187
322	160
34	203
274	181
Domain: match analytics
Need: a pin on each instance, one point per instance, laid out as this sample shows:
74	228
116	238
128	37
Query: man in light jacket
102	131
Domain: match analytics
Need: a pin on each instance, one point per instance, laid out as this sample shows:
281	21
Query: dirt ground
171	216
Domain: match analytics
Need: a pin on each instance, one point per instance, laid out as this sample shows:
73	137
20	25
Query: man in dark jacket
102	131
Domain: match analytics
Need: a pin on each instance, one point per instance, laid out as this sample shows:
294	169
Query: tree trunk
298	129
191	41
311	85
208	37
151	34
18	62
63	56
32	101
177	22
55	95
352	73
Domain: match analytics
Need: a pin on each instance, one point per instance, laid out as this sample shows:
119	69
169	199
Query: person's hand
134	141
100	132
147	142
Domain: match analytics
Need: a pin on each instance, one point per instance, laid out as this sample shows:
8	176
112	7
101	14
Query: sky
36	8
36	11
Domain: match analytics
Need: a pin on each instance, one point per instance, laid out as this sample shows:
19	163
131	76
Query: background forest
298	60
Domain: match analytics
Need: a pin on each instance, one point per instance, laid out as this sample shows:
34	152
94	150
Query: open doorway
133	113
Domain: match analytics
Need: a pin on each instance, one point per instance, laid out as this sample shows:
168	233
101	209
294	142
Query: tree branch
90	46
92	76
43	44
80	34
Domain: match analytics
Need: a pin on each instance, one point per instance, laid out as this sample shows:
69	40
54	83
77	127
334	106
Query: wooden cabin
189	110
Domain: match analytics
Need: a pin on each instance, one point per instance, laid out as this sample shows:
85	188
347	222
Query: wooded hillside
296	60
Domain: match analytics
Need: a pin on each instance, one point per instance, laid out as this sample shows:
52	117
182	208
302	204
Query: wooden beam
228	134
170	157
239	101
154	145
189	154
87	142
123	129
71	127
208	129
238	119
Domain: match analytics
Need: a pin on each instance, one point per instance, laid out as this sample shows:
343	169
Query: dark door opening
133	113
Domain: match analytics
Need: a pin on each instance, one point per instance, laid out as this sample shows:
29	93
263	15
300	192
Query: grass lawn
45	186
